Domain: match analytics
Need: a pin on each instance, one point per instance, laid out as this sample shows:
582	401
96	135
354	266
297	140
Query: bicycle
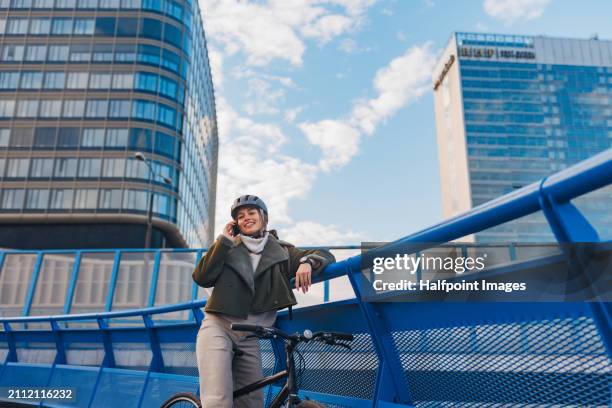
289	393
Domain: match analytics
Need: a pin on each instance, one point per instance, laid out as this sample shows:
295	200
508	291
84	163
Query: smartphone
235	229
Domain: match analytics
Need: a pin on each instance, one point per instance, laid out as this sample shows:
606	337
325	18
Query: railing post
11	357
154	278
570	227
27	305
109	355
72	283
390	381
60	357
113	282
157	362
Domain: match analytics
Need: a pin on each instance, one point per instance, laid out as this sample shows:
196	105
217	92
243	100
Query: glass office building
85	84
511	110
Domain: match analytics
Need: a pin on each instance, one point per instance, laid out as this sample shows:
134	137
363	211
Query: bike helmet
249	200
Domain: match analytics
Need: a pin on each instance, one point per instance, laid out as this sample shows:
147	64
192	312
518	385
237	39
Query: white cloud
405	79
338	140
277	29
291	114
387	12
312	233
513	10
262	98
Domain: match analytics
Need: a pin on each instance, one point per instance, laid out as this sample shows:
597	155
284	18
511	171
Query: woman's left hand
303	277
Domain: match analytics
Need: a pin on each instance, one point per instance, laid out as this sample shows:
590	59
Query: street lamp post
152	173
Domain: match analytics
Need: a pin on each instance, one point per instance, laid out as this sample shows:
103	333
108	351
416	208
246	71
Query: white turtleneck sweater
255	247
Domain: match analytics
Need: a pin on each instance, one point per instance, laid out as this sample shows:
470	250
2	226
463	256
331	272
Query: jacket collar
239	260
273	253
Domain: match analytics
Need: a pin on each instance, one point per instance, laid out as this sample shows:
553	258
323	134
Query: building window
37	199
27	109
113	168
100	81
50	108
73	108
31	80
44	137
12	199
68	138
135	200
146	82
61	26
123	81
83	26
110	199
119	109
12	53
77	80
89	168
17	26
116	137
5	135
65	3
44	4
93	138
58	53
86	199
54	80
21	4
61	199
96	108
17	168
136	169
65	167
40	26
9	80
87	4
80	53
143	110
103	52
41	168
168	87
36	53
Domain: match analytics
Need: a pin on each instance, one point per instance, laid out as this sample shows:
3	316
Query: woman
250	270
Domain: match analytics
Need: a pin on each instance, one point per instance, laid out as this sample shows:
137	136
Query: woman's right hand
228	230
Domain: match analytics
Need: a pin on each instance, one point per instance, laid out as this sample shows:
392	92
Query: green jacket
238	290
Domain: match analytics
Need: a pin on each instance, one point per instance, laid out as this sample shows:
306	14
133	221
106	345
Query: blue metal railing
413	361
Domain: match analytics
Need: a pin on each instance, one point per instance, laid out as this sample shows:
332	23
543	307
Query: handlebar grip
246	327
343	336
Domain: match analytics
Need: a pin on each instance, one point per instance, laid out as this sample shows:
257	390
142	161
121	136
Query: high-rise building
512	109
84	85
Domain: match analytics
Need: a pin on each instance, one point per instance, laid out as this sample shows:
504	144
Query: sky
325	107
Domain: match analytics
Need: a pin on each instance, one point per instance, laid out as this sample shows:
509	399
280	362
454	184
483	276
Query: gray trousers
221	372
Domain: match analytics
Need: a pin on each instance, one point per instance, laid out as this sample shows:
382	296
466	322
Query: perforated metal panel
180	358
135	356
336	370
557	362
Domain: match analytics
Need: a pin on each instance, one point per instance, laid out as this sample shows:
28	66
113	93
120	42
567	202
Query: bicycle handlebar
274	331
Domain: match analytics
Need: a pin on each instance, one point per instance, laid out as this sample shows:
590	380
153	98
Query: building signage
486	52
444	72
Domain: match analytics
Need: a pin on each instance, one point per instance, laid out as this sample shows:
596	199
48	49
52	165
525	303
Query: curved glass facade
84	84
